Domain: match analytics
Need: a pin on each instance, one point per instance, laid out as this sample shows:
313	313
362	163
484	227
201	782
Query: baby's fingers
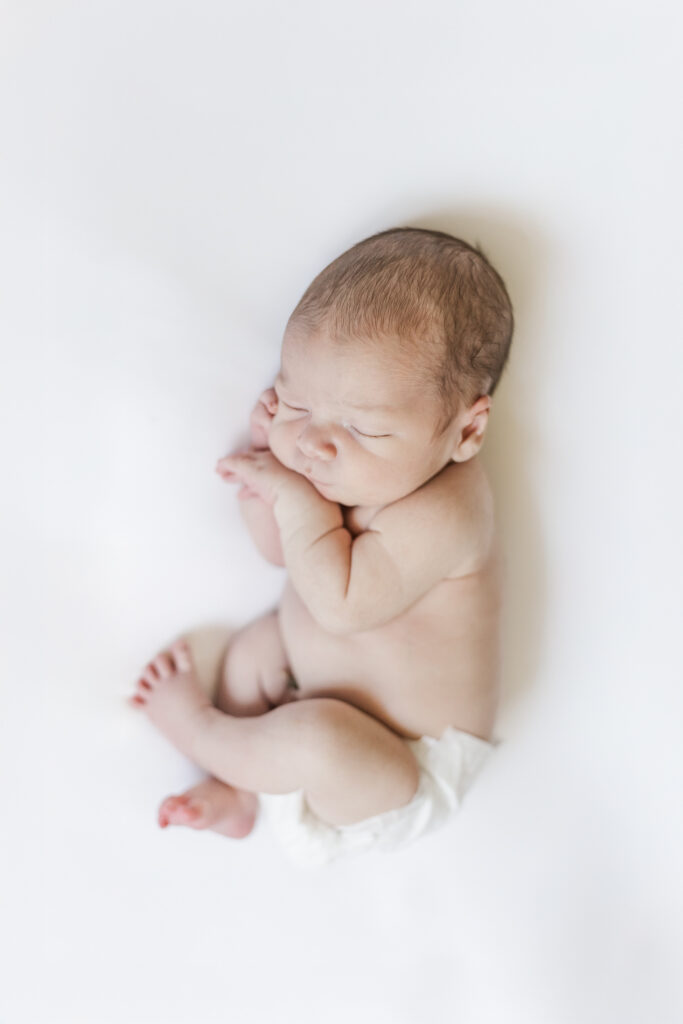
224	470
234	460
261	417
269	399
245	493
234	467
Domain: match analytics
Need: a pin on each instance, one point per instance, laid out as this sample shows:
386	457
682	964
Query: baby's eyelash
357	431
296	408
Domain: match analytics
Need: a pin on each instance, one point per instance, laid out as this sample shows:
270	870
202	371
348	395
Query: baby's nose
315	443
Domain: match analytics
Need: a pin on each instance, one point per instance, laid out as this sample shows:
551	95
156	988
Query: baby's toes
146	684
164	666
149	677
182	656
142	690
181	810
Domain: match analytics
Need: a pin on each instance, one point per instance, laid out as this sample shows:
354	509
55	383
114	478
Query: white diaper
447	768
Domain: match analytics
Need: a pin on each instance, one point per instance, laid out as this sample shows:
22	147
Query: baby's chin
333	493
350	499
330	492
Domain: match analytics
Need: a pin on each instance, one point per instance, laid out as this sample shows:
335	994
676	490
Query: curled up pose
357	713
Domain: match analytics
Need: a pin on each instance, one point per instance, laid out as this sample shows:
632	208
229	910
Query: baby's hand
261	417
261	473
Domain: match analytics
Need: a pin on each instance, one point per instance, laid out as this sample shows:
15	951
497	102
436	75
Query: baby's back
436	664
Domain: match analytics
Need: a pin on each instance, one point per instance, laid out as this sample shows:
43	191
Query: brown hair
424	288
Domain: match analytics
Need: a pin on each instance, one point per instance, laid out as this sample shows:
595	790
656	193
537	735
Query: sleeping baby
357	714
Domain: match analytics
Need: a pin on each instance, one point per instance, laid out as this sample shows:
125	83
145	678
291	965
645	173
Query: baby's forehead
372	375
354	398
357	392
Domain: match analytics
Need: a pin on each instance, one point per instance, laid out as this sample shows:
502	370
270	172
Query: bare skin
389	621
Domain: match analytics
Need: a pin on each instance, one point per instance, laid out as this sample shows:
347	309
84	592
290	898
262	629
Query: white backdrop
173	175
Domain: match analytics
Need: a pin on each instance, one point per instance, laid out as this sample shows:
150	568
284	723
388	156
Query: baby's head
389	362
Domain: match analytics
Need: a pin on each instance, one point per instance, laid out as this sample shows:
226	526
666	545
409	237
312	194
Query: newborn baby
362	708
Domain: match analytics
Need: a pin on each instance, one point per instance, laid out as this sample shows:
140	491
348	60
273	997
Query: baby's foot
171	695
212	805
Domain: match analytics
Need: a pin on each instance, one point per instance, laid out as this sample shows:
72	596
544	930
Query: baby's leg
349	765
255	674
254	679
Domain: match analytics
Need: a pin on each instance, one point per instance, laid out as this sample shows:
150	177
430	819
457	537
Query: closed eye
296	408
357	431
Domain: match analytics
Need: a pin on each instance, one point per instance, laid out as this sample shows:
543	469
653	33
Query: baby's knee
354	766
255	673
346	730
331	728
255	647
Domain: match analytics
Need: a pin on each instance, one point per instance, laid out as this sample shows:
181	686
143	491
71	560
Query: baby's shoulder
454	510
460	488
463	487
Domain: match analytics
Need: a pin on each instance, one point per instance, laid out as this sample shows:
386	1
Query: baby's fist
261	417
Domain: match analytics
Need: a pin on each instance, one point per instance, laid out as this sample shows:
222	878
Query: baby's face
356	420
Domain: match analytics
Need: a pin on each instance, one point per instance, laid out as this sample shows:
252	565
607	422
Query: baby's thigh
255	673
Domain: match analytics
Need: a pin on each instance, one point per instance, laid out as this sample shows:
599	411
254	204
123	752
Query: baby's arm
353	584
256	513
350	585
263	529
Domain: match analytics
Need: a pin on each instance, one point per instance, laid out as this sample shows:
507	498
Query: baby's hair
424	288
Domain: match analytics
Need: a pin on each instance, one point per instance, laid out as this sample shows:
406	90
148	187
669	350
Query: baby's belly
435	665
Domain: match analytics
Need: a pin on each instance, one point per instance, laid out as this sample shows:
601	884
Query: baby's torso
435	665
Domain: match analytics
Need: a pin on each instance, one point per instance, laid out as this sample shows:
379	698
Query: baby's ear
472	426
